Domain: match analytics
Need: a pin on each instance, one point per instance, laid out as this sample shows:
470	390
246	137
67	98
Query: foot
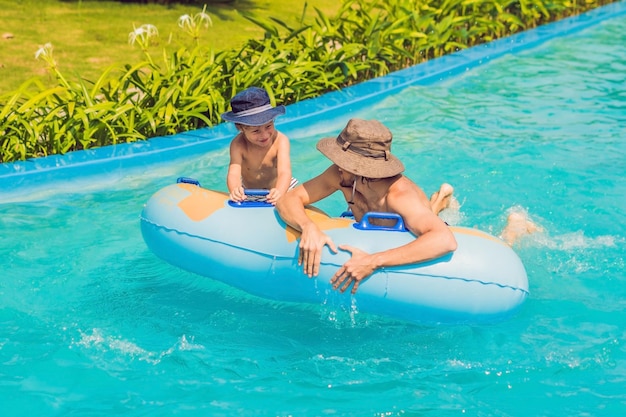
518	225
441	199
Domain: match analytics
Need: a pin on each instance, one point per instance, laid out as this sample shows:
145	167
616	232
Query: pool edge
22	174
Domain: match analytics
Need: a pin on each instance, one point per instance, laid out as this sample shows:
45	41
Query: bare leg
441	199
518	225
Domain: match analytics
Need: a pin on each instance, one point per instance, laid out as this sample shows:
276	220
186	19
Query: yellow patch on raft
476	232
200	203
323	222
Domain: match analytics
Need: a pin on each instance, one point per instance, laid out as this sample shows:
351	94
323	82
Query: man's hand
312	241
356	269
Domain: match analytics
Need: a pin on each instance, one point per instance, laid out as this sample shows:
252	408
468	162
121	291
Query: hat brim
258	119
359	164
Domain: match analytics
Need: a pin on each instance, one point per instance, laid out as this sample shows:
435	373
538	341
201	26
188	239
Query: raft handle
365	224
257	199
187	180
347	214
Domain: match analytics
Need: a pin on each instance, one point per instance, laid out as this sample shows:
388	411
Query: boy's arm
283	165
233	178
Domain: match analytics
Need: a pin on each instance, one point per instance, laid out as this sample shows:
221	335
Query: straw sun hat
252	107
363	148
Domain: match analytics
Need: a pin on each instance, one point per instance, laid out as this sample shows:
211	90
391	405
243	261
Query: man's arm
291	209
434	240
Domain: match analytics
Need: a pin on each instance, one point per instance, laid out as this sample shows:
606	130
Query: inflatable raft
249	247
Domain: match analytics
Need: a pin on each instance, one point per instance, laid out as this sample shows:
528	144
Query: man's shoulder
330	177
404	188
404	183
406	193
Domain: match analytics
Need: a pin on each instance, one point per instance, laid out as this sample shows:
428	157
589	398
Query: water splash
119	349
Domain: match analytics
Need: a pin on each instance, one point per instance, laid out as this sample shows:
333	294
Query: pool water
92	323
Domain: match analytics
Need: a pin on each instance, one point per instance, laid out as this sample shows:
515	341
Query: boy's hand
238	194
273	196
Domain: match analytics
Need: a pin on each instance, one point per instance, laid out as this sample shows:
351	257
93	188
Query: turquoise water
92	323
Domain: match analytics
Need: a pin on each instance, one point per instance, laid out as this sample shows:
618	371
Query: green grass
90	35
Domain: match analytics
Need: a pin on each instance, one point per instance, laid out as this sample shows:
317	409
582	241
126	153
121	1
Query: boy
259	154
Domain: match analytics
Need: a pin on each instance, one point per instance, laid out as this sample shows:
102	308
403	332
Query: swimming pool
94	324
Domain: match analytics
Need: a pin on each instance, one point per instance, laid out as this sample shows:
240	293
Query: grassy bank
89	36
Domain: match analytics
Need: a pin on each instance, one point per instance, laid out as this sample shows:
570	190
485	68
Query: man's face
346	179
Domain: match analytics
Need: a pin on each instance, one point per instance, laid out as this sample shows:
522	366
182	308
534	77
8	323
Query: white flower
185	20
44	51
151	30
192	24
203	17
142	35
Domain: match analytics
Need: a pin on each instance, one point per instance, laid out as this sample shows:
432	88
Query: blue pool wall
74	165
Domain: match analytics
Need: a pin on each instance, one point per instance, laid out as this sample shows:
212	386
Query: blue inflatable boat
249	247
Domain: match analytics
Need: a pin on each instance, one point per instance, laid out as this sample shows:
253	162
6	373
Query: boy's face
262	136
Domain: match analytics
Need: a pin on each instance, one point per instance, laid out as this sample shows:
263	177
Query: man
371	179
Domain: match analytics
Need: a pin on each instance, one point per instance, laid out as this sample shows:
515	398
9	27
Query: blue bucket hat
252	107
